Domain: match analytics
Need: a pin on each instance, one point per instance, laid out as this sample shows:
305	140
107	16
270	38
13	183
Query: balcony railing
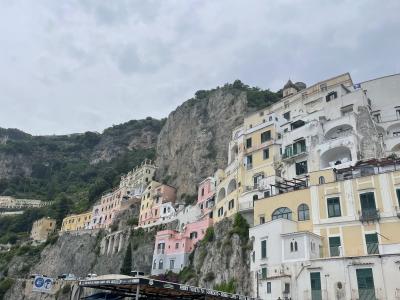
369	215
294	153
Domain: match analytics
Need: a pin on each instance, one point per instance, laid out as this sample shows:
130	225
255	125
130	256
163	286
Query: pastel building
138	179
42	228
173	247
335	238
77	222
157	204
229	181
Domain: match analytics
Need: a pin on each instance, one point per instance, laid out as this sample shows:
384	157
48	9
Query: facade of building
336	238
42	228
138	179
8	202
77	222
157	205
173	247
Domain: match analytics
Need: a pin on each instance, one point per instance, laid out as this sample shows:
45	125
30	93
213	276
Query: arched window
255	197
321	180
155	264
282	213
160	264
231	186
303	212
291	246
221	194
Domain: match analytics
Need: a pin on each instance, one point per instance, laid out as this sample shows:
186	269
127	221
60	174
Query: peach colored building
157	203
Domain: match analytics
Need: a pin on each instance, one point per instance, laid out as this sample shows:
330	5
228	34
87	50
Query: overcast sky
72	66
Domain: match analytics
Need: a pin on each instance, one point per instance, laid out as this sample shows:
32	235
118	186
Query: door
368	202
365	283
315	279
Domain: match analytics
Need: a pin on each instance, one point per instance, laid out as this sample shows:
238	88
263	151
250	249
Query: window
249	161
323	87
265	136
303	212
171	264
263	273
331	96
154	264
248	143
365	283
266	153
334	207
293	246
377	117
262	220
286	115
160	264
334	246
398	113
368	203
299	147
268	287
264	249
315	280
255	197
231	204
321	180
220	211
301	167
398	195
371	240
202	191
282	213
267	194
287	288
193	235
176	245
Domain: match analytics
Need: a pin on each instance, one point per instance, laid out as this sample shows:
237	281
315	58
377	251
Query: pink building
172	248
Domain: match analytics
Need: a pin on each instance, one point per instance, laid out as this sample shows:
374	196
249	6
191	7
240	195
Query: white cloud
69	66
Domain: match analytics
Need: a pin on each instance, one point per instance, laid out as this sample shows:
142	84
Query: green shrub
210	276
5	284
241	228
132	221
227	287
186	273
209	236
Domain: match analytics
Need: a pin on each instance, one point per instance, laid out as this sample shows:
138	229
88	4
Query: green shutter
398	196
263	249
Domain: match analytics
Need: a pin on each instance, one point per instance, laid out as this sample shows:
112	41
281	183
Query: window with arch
255	197
293	246
303	212
160	264
282	213
321	180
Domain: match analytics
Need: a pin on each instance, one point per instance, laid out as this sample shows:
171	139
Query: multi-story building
77	222
42	228
173	247
229	181
138	179
8	202
157	205
335	238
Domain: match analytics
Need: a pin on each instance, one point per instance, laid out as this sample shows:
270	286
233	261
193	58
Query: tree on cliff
127	264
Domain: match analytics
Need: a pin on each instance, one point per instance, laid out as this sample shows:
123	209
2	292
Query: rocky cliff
194	141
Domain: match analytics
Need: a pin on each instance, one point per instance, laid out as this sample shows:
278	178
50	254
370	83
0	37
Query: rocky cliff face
193	143
223	260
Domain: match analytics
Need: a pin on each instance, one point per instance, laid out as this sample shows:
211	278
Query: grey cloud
76	65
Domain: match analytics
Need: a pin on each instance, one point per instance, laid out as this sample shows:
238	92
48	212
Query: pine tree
127	264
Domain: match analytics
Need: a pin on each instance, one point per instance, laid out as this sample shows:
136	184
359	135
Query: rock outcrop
193	143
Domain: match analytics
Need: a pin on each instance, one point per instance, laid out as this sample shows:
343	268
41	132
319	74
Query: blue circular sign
39	282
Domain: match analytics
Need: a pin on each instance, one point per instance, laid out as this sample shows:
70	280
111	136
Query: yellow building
42	228
355	211
77	222
229	182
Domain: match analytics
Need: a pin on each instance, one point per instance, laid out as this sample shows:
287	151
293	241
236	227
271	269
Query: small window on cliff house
160	264
193	235
202	191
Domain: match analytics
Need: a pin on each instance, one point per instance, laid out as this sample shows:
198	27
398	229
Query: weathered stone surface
194	140
223	259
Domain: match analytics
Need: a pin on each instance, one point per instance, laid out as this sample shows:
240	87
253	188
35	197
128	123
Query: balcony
369	215
294	154
245	206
